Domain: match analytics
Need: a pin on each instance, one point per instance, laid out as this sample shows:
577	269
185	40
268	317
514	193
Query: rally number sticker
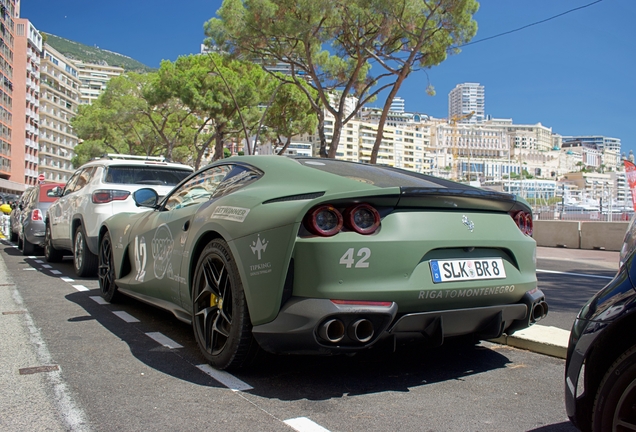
349	260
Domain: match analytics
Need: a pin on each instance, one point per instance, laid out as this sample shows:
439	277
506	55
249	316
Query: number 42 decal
348	258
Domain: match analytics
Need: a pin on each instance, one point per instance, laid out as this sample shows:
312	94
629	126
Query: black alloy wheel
50	253
106	270
615	404
220	316
84	260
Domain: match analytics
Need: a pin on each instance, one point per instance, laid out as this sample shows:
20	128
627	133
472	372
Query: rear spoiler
461	198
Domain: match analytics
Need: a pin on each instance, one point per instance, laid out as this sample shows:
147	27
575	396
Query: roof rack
134	157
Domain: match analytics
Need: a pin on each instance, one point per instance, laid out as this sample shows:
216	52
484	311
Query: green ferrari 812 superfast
302	255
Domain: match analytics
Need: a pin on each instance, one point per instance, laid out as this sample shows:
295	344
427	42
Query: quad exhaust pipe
361	330
333	330
539	311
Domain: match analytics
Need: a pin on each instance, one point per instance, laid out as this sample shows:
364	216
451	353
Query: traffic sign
41	177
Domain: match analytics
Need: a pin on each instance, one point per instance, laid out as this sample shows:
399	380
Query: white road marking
164	340
575	274
228	380
56	272
70	413
32	257
67	279
126	316
29	268
38	261
47	266
80	287
99	300
303	424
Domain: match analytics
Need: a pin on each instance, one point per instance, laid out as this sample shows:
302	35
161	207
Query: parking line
47	266
38	262
56	272
67	279
228	380
126	316
99	300
163	340
303	424
80	287
575	274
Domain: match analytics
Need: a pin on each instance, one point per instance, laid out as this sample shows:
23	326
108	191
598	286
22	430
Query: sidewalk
550	340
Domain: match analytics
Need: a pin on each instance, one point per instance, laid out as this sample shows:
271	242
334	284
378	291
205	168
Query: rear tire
13	236
51	254
84	261
106	270
615	403
28	248
220	317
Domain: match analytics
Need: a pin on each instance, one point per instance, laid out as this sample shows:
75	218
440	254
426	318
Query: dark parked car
27	219
600	371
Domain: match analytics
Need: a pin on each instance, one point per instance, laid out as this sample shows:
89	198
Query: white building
466	98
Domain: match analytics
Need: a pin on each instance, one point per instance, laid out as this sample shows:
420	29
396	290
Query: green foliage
77	51
331	44
226	152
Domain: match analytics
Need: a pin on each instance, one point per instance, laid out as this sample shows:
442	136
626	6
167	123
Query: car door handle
186	225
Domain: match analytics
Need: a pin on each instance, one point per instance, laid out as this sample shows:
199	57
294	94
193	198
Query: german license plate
465	270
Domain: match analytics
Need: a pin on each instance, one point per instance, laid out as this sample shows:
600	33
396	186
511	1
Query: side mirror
55	192
145	197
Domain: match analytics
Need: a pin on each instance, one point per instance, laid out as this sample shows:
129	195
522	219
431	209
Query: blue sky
575	74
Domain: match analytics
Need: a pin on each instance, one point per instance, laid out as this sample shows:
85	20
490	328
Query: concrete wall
580	235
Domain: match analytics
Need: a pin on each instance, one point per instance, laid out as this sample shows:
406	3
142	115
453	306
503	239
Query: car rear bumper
319	326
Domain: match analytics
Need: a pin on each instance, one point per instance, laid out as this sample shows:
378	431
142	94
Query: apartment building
26	102
94	79
11	182
465	99
598	141
60	95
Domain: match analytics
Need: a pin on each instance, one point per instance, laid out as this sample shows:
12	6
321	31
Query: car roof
136	162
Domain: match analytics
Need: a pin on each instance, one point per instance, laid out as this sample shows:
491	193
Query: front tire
51	254
615	404
84	261
106	270
220	317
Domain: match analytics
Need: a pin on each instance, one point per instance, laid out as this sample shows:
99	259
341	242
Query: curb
546	340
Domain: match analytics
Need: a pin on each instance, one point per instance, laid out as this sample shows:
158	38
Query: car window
71	183
83	179
240	176
197	189
145	175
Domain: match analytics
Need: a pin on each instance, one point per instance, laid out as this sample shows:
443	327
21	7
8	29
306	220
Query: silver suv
96	191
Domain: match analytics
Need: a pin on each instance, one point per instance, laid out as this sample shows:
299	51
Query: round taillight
324	221
363	219
529	225
524	222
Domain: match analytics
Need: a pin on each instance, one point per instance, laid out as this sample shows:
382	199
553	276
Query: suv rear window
144	175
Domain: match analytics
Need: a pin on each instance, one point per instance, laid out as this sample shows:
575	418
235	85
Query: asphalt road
569	277
131	367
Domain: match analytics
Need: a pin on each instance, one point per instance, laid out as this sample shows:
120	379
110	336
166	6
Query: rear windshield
372	174
46	192
145	175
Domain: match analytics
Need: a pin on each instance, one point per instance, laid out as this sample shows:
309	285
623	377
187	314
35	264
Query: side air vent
300	197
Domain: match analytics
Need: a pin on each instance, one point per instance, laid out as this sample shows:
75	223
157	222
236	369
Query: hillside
87	54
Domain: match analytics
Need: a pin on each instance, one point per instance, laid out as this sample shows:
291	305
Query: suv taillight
36	215
105	196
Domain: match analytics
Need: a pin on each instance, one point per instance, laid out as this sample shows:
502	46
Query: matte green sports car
320	256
